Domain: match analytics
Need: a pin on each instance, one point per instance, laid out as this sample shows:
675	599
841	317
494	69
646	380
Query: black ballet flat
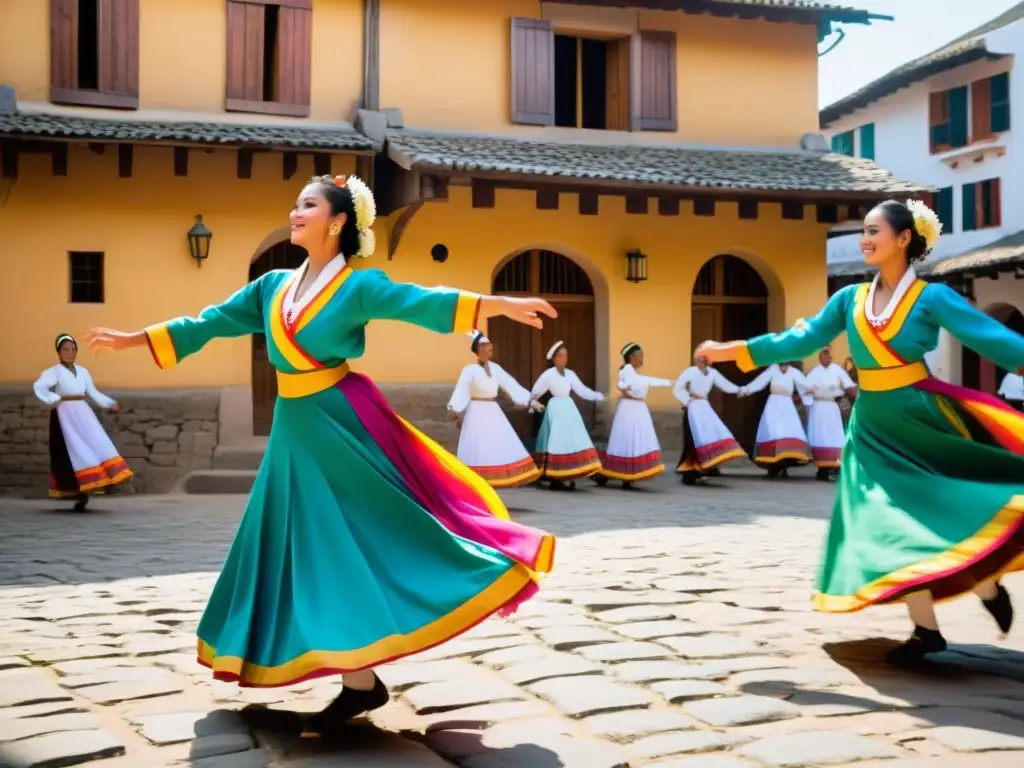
81	503
279	721
1001	609
351	703
921	643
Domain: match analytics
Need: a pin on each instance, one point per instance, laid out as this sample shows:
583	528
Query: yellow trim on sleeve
743	359
161	345
467	312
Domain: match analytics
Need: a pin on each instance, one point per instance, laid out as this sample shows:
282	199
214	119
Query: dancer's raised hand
108	340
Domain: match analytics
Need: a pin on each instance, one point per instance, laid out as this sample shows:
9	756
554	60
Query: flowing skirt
930	497
564	449
83	460
633	450
707	442
780	435
490	447
825	433
363	541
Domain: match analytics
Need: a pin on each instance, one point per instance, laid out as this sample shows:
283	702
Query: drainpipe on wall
371	55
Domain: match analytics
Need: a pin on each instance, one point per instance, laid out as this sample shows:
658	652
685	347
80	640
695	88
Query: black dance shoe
351	703
920	644
81	502
1001	609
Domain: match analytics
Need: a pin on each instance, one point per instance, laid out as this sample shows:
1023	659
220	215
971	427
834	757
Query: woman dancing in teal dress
930	500
363	541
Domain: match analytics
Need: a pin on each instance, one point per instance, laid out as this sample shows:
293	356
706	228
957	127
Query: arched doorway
283	255
730	301
980	373
521	350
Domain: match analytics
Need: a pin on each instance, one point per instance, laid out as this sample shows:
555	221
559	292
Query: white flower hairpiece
366	212
926	223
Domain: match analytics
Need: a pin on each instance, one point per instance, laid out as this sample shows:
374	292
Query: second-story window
990	106
269	56
947	119
627	83
94	53
942	203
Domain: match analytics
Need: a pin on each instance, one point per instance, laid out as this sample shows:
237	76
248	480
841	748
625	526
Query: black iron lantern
636	266
199	241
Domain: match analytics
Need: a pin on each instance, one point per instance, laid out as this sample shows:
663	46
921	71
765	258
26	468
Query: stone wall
163	434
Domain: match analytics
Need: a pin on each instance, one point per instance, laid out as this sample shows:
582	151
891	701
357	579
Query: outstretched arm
519	394
97	397
804	338
582	390
759	383
173	341
982	333
723	383
442	310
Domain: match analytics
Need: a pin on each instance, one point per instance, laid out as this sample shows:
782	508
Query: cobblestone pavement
676	632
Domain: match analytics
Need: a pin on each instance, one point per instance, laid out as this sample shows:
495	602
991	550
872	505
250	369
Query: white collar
894	301
328	273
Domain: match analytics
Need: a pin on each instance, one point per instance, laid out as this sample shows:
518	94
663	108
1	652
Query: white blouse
696	383
58	380
828	383
292	306
479	383
1012	387
779	382
560	384
636	385
894	301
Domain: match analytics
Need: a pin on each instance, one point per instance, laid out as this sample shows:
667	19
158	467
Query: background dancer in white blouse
781	441
83	460
1012	389
564	450
707	442
487	443
633	452
827	383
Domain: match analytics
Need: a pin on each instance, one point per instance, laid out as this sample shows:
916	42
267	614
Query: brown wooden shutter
981	109
64	44
245	51
294	57
119	47
653	86
533	72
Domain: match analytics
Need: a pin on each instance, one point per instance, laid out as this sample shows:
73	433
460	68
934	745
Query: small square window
86	272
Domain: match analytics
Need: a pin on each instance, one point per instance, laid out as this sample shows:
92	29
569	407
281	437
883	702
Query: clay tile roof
778	9
964	49
38	125
659	166
1006	252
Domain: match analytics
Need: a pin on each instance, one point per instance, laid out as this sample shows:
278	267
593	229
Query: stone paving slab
675	635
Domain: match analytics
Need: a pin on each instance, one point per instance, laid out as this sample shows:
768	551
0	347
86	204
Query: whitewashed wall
902	147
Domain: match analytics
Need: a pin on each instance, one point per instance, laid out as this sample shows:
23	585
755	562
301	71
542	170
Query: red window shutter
245	51
937	111
64	44
294	56
997	203
119	47
533	72
981	109
653	88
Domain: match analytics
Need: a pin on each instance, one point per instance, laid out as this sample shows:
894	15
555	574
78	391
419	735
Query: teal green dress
930	496
362	541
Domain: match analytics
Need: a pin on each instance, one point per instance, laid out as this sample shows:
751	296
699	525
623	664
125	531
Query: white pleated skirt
780	433
825	433
490	447
634	452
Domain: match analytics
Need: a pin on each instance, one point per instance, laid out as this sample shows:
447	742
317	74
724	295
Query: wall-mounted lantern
199	238
636	267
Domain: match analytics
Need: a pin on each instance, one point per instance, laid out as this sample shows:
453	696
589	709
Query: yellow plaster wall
140	224
183	54
446	63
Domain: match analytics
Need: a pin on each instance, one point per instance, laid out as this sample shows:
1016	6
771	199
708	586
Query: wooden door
742	414
706	325
521	350
264	378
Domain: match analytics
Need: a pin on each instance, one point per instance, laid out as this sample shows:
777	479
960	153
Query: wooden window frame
64	56
532	91
996	198
938	115
235	103
102	276
1005	103
981	110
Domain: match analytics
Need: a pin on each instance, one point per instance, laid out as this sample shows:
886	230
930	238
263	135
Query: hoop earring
335	230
